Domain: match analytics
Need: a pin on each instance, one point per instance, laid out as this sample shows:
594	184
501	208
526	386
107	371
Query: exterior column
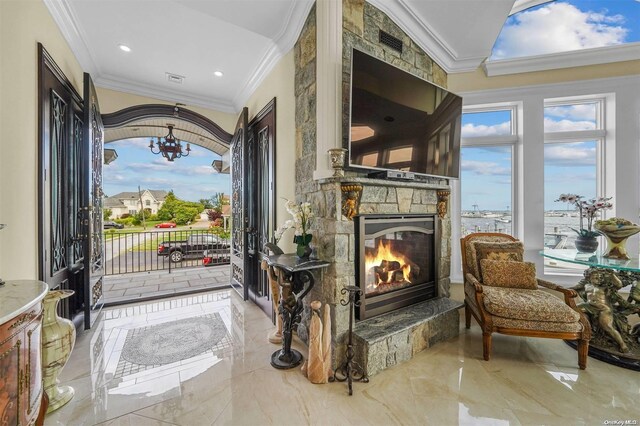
328	83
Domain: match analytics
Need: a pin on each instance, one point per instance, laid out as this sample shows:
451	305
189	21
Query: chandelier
169	146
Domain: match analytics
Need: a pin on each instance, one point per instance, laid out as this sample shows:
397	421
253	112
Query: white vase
58	338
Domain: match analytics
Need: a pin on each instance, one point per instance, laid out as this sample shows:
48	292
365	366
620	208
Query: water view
557	225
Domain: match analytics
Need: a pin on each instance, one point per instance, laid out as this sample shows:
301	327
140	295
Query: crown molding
63	15
115	83
428	39
594	56
284	42
567	88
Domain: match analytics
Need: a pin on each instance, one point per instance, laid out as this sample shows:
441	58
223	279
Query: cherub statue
350	205
601	296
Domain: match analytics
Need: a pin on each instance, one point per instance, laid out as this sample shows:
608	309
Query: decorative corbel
443	200
351	194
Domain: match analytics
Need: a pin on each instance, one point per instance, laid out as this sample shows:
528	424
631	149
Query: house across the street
129	202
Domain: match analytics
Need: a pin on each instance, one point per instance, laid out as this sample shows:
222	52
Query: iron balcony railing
128	252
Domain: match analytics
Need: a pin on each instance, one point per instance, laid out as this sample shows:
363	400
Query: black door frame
262	211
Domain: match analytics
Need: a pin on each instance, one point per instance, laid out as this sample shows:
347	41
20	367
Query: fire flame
384	253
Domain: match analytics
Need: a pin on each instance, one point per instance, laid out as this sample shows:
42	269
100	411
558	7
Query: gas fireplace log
398	276
393	265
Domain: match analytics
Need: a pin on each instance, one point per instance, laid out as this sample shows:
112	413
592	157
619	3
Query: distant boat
554	214
504	219
490	215
479	214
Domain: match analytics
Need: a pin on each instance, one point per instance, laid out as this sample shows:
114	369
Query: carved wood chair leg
467	315
583	352
486	346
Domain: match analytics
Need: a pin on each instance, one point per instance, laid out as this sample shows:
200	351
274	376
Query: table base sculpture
613	340
295	285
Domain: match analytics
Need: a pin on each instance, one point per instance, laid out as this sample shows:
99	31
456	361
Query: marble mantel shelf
385	182
19	296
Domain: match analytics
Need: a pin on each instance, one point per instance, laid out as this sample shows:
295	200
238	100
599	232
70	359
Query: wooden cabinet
21	387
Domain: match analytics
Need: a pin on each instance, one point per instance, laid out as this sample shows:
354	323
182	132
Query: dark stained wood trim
264	111
127	115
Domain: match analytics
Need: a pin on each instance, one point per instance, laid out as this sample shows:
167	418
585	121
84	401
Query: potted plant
588	209
301	222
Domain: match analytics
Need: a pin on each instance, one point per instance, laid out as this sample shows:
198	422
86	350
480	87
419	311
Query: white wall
23	24
280	84
622	157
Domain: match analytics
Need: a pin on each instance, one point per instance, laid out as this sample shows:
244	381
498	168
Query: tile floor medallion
528	381
157	345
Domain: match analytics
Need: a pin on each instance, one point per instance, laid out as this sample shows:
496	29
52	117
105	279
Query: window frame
514	140
599	135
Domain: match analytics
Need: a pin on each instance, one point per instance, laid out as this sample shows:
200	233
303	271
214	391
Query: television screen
402	122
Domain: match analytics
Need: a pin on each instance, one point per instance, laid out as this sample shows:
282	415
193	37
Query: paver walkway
145	285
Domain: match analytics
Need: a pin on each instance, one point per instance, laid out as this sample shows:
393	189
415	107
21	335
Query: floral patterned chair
502	293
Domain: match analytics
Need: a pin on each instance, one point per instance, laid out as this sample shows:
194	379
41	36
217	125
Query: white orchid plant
587	209
301	222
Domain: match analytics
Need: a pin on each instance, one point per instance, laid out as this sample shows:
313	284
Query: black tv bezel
360	168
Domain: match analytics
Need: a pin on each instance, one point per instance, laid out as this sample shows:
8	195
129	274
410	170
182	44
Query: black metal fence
127	252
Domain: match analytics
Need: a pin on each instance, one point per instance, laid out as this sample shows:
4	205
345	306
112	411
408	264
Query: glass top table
593	260
614	338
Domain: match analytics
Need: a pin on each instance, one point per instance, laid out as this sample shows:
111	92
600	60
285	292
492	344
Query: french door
253	194
70	191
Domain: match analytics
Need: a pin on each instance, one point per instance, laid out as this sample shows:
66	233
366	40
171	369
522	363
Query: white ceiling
244	39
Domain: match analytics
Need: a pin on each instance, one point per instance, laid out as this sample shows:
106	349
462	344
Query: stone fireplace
395	261
382	338
408	210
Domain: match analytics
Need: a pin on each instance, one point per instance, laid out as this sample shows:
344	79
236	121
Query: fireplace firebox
396	261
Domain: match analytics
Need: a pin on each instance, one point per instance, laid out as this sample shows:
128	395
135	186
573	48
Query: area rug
173	341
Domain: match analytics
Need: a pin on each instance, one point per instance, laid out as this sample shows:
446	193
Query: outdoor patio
145	285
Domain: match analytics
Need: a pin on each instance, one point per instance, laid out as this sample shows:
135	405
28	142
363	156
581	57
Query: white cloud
551	125
138	143
113	178
484	168
573	112
471	130
557	27
569	155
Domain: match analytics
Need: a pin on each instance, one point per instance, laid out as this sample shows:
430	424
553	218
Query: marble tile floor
135	287
528	381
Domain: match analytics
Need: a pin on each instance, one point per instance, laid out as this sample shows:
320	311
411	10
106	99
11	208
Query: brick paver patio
144	285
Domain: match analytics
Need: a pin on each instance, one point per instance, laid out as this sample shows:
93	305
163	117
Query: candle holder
337	156
350	370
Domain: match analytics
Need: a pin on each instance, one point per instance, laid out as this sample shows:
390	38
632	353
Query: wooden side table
296	281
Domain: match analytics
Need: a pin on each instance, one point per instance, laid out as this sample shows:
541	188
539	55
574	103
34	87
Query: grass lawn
150	240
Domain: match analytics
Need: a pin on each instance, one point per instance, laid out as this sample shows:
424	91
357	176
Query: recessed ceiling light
218	73
124	48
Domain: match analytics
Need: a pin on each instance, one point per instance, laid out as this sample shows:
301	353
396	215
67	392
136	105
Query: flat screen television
401	122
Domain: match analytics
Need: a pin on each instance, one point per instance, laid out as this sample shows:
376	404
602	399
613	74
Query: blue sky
565	25
191	178
486	172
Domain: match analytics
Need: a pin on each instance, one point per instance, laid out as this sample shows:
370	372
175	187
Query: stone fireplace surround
394	337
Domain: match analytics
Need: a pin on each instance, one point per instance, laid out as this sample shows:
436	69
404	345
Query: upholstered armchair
502	293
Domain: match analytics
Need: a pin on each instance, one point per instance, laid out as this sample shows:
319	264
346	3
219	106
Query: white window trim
621	158
512	141
559	60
